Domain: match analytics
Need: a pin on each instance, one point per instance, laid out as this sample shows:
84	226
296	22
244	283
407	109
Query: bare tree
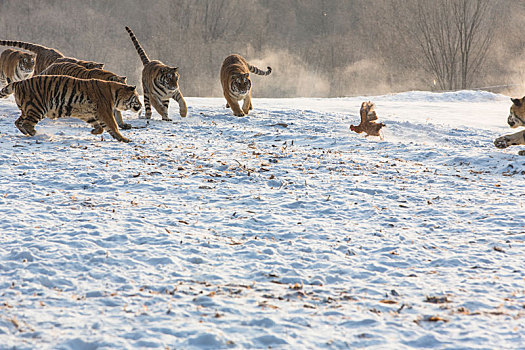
453	37
475	30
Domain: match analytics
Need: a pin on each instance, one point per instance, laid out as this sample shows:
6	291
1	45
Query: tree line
318	48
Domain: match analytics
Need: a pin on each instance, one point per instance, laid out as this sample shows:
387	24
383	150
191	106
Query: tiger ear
175	69
516	101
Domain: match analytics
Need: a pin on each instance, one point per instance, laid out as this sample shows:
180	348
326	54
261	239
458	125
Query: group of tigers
46	83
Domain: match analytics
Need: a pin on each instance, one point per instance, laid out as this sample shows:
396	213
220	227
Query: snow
281	229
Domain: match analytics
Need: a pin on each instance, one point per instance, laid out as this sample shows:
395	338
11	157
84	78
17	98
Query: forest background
317	48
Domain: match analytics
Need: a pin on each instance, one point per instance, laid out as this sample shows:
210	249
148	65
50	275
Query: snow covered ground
282	229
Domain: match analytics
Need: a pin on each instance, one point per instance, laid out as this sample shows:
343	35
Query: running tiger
15	65
236	83
55	96
160	83
76	71
46	56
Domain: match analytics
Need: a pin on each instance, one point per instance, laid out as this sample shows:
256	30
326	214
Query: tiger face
118	79
27	62
240	84
169	78
92	65
128	99
517	113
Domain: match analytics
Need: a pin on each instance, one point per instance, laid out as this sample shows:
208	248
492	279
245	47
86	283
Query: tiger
516	118
236	83
160	83
46	56
55	96
77	71
15	65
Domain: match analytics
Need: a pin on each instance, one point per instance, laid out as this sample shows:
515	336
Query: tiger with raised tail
77	71
160	83
56	96
15	65
46	56
236	83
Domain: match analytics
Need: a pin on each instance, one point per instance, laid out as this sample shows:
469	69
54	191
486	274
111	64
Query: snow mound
453	96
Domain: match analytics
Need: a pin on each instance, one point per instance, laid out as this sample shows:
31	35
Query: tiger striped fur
55	96
46	56
160	83
77	71
236	83
15	65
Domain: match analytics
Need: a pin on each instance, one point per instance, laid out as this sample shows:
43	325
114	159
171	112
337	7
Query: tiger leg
98	127
161	106
27	121
120	122
183	108
147	105
3	80
510	140
247	104
234	105
107	121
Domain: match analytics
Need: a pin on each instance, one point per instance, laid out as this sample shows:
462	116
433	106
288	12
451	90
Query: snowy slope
282	229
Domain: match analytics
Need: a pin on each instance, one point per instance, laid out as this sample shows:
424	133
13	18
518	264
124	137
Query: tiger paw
241	114
26	129
166	119
125	126
97	131
521	153
501	142
20	126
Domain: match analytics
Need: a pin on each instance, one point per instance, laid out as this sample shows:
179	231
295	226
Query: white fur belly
238	96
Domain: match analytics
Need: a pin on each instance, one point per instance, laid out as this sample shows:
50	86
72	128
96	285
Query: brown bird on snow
367	125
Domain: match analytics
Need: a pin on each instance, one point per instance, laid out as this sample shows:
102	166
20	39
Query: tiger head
26	63
93	65
517	113
169	78
127	99
240	84
119	79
